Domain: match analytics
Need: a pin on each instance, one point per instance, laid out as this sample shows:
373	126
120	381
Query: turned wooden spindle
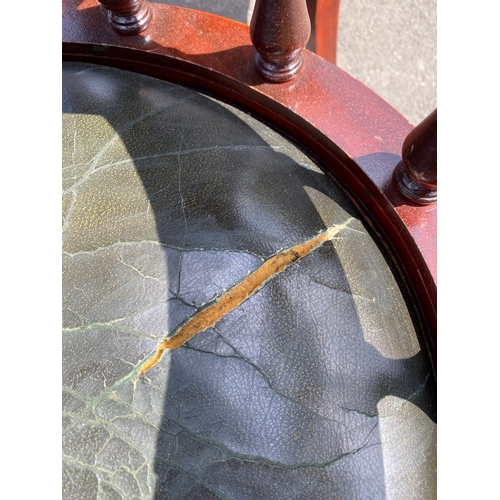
279	31
128	17
416	173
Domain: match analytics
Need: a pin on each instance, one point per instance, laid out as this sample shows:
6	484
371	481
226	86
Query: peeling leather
315	387
229	300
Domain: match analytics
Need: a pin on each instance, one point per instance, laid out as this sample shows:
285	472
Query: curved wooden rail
347	127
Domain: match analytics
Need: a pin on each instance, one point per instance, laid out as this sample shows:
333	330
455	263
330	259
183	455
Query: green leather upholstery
316	387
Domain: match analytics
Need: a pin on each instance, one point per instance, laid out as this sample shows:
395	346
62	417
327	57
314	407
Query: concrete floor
389	45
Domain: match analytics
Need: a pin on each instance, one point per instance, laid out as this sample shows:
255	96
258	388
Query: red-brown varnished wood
346	126
416	173
128	17
325	20
279	32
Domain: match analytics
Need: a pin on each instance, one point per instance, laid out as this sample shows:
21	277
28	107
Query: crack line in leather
240	292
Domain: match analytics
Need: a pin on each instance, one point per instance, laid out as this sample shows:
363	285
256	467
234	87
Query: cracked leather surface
316	387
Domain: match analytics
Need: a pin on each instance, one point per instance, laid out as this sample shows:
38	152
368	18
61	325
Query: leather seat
315	387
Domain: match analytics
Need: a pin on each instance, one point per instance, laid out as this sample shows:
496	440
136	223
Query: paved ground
389	45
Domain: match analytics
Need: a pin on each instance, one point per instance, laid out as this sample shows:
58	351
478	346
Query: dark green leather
317	387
